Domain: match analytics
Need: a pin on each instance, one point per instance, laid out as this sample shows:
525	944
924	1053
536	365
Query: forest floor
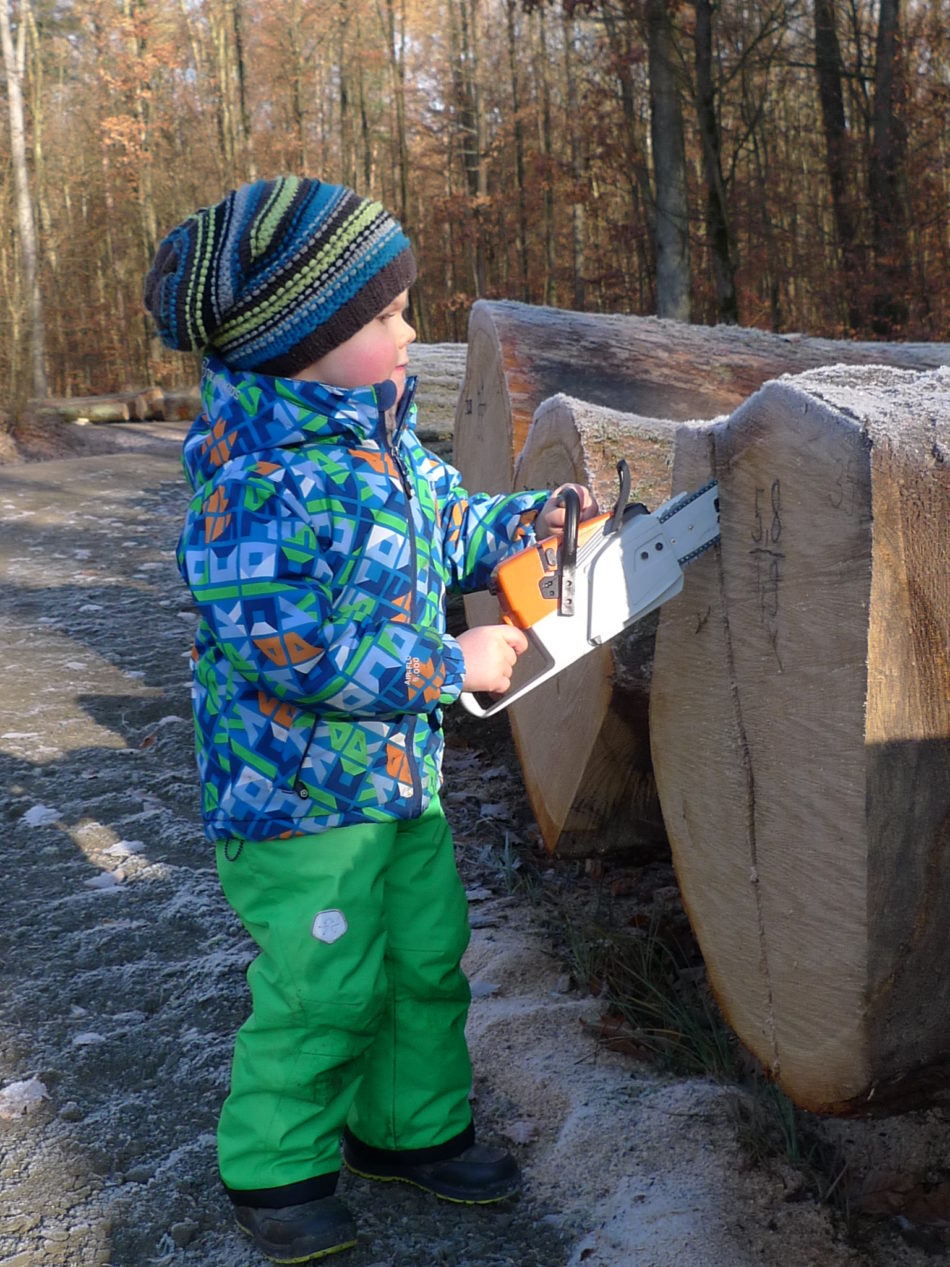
123	968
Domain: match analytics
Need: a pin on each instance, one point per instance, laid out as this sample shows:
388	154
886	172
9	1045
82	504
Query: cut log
147	405
136	405
181	403
81	409
582	738
520	354
800	726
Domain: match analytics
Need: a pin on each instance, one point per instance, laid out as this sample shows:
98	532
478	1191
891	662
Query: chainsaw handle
623	473
567	565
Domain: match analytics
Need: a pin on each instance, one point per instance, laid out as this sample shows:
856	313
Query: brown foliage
140	112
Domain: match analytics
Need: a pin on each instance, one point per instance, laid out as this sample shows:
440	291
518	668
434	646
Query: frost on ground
123	969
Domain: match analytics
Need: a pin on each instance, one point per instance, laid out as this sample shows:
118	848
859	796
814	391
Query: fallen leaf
883	1192
930	1206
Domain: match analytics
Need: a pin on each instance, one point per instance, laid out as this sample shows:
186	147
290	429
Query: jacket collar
246	413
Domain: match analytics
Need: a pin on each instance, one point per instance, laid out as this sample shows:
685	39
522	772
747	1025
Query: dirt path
122	967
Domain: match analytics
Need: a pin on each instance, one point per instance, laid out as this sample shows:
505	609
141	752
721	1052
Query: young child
318	547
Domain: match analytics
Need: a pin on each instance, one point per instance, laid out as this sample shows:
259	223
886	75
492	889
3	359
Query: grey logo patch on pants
329	926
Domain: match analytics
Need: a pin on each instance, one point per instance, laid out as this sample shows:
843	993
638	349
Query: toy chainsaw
606	574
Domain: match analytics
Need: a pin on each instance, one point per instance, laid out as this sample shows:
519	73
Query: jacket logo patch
329	926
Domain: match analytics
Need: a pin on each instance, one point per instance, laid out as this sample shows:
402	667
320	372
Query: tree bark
518	129
549	290
800	729
671	239
828	69
25	221
890	217
249	165
578	226
470	130
718	230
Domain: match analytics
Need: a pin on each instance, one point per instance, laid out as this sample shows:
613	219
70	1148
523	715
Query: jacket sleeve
269	599
479	530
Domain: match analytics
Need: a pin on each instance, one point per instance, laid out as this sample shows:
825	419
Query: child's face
378	351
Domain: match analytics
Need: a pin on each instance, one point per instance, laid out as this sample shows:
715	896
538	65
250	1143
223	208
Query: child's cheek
368	364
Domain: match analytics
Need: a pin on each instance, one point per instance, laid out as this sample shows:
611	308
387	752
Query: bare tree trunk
470	130
890	219
226	132
828	67
237	23
547	152
669	168
578	228
717	214
347	155
294	34
194	42
26	225
625	42
396	44
148	223
366	141
518	126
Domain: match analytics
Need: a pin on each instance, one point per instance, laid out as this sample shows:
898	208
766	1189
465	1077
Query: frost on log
800	728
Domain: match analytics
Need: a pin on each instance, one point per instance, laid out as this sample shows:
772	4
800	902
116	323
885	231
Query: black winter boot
475	1175
298	1233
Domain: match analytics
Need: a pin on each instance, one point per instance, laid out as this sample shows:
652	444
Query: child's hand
490	653
550	521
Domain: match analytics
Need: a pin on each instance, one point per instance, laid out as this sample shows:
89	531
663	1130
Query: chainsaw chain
681	505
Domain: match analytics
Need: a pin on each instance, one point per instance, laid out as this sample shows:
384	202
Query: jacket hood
245	413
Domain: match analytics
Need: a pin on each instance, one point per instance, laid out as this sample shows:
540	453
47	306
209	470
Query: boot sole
443	1195
272	1256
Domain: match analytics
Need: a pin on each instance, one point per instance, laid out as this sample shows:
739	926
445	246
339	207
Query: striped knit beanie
277	274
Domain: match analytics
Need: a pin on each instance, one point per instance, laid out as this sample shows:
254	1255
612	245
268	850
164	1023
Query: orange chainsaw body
526	584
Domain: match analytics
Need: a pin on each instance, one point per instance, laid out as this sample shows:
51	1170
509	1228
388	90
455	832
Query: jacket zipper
297	784
406	485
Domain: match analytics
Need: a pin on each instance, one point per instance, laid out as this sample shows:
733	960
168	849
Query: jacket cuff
454	662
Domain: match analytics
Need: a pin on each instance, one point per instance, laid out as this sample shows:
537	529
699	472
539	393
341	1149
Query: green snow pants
358	1002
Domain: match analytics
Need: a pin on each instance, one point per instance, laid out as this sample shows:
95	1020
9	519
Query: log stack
141	404
551	396
800	727
520	354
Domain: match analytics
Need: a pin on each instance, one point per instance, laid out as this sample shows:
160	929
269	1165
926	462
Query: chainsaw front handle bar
567	563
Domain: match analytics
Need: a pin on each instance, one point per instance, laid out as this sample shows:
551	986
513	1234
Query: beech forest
780	164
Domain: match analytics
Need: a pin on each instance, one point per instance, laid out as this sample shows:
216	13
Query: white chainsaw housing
619	578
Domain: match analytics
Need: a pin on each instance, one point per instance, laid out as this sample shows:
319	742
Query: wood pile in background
144	404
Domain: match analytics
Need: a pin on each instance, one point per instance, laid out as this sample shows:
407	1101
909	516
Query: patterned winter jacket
318	550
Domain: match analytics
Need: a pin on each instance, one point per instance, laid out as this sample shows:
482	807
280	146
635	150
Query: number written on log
768	560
